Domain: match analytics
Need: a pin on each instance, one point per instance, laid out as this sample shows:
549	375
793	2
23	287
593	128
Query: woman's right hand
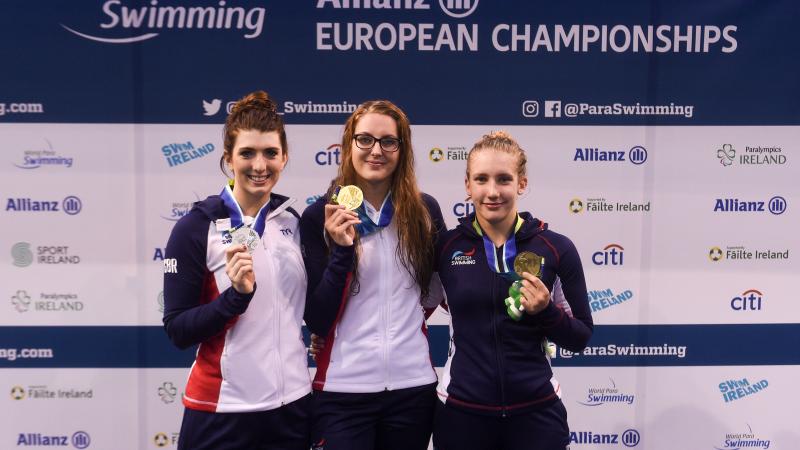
239	267
339	223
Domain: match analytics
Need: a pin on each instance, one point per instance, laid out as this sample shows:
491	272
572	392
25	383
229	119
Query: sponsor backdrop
662	138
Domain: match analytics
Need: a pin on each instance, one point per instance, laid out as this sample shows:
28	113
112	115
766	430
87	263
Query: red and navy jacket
251	355
497	366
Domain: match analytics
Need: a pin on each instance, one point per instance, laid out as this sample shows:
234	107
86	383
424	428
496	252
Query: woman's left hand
535	295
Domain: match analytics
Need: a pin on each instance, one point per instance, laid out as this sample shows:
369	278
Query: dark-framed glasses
366	141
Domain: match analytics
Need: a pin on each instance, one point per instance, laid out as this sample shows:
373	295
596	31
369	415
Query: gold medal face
529	262
350	196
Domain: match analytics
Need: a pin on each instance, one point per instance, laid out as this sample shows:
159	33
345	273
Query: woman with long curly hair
370	273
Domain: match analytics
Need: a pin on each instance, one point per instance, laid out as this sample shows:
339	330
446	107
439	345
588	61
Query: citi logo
463	209
142	22
636	155
776	205
750	300
460	258
330	156
611	255
71	205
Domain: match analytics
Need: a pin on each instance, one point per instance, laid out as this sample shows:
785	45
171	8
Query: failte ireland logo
132	21
732	390
461	258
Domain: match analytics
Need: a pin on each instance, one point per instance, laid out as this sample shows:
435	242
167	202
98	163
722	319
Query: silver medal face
246	236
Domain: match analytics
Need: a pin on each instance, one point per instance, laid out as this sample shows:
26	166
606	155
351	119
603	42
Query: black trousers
284	428
388	420
541	429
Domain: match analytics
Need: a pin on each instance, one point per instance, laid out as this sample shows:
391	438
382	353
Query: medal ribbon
504	266
236	215
367	226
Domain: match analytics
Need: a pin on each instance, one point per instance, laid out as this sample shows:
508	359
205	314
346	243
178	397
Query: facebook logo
552	108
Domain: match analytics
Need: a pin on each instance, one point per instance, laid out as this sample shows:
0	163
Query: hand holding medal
528	294
239	259
340	216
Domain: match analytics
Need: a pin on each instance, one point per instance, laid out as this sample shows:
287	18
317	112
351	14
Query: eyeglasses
366	141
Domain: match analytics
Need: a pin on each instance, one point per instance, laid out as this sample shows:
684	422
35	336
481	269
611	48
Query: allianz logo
150	19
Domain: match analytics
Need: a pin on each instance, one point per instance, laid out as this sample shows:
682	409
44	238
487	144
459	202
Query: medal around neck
247	236
529	262
350	197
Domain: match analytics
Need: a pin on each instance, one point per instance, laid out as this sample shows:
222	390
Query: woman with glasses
370	272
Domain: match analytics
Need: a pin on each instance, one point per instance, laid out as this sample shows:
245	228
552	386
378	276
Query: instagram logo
530	108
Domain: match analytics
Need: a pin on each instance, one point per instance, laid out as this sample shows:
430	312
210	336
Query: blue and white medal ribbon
504	266
367	225
249	235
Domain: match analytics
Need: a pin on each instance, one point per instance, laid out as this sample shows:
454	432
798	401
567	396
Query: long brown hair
414	224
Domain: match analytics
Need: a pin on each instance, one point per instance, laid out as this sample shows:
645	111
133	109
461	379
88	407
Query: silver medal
246	236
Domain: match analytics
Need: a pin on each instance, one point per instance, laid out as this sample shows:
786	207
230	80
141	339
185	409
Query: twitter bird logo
211	107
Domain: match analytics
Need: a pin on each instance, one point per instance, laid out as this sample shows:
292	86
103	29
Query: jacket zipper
497	352
385	306
277	322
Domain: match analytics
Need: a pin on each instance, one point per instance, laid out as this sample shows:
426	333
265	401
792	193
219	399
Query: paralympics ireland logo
726	154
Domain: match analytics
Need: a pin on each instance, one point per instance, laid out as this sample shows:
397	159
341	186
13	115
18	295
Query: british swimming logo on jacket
461	258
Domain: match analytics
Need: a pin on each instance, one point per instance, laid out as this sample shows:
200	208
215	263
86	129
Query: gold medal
529	262
349	196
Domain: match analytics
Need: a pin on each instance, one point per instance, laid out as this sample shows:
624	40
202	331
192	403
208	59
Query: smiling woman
370	273
498	389
249	386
